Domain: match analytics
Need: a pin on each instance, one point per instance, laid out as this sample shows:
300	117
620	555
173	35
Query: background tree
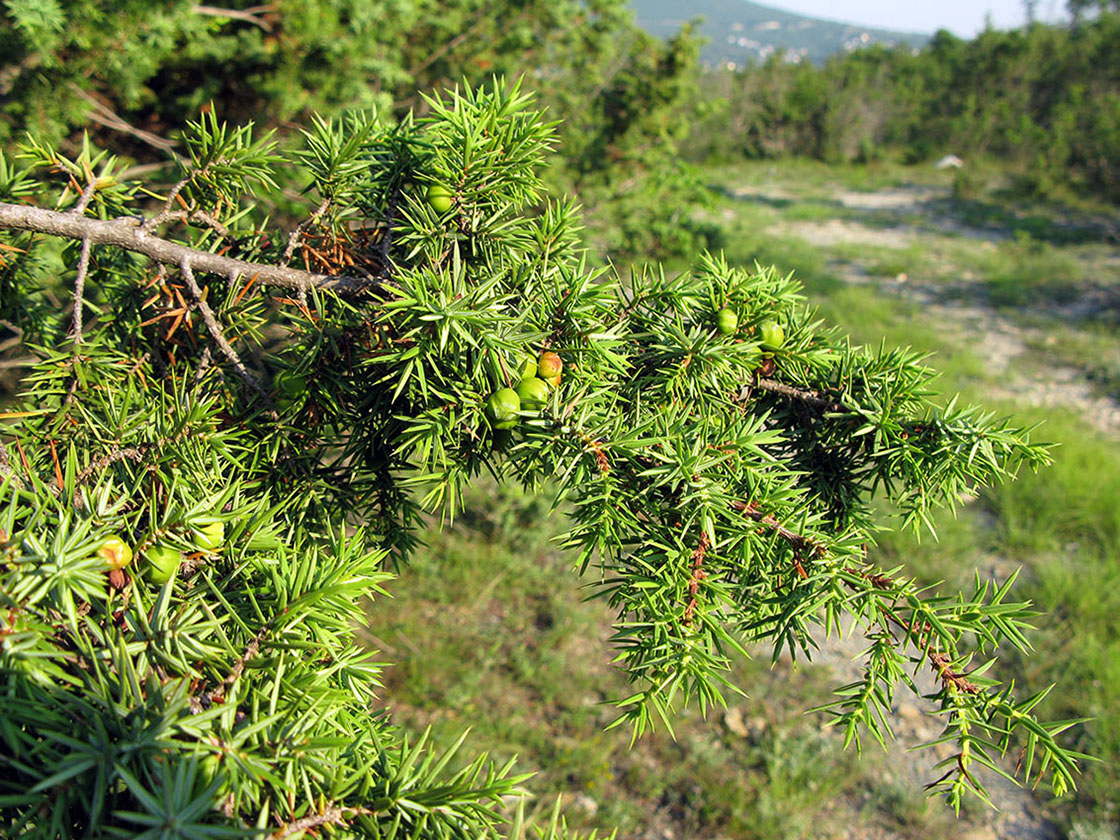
132	74
138	71
1037	99
230	435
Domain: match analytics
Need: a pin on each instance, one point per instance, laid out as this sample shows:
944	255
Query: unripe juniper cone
291	384
727	322
711	508
502	408
773	335
117	553
533	393
529	369
549	365
439	198
163	561
210	537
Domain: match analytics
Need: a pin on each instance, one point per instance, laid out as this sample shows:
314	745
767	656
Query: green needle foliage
318	392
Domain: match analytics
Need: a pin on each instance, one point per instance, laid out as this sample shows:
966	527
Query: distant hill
741	32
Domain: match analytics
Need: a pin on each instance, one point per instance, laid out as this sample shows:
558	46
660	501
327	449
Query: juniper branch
813	398
128	233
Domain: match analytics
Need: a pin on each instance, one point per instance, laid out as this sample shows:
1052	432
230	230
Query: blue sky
964	17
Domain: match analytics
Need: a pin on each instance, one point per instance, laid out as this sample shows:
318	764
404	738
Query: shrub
720	485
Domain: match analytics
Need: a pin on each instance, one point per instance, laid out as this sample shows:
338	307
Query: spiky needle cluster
316	392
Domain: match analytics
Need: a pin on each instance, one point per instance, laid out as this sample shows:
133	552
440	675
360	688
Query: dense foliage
140	70
263	441
1043	99
132	74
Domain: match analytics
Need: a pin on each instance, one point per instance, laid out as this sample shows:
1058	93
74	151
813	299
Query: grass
1028	273
1092	347
1061	526
809	177
488	629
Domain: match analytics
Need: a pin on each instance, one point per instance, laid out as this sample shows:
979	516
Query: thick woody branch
127	233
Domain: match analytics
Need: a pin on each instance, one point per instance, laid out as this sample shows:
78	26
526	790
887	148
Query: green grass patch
1029	273
489	628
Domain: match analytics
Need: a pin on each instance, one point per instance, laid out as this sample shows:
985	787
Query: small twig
86	196
386	243
879	581
117	453
215	329
940	663
296	235
71	391
696	577
445	48
20	362
79	209
244	15
166	213
799	542
813	398
10	73
203	366
251	650
14	341
209	219
6	470
103	462
143	169
595	447
103	115
329	816
79	293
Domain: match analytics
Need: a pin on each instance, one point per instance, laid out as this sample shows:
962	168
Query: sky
962	17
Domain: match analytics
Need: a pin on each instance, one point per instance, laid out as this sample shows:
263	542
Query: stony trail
993	335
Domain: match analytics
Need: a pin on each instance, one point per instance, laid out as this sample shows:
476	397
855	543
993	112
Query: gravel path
994	336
